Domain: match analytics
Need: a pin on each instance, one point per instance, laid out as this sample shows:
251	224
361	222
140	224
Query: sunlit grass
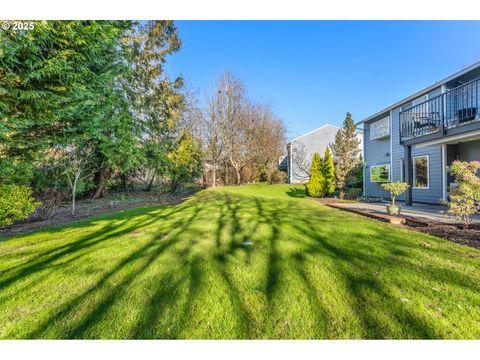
257	261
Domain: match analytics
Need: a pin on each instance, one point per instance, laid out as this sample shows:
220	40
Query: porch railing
456	107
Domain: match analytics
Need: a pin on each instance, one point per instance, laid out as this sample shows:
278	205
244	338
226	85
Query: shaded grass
257	261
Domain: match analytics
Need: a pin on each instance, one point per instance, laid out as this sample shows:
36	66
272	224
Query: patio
423	212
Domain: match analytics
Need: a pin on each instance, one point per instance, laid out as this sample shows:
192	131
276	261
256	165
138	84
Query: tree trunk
74	191
214	175
100	179
226	174
124	181
239	177
237	170
152	179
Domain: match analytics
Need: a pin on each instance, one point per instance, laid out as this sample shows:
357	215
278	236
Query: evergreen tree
156	102
185	161
60	81
345	152
328	174
314	185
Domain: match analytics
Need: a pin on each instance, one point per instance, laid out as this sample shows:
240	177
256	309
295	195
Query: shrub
328	175
395	189
277	177
185	162
50	201
246	175
354	193
465	200
263	176
314	185
16	203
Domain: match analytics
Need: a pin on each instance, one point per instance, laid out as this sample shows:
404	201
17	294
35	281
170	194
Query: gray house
417	138
301	149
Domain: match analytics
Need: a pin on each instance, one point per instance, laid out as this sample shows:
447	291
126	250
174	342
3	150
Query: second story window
380	129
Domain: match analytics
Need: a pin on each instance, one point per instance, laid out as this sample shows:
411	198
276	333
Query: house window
420	100
380	128
420	172
380	173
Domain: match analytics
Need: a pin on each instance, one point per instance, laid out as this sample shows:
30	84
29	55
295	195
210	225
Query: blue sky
313	72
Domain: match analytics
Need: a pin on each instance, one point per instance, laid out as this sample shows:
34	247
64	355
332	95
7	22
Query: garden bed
455	233
88	207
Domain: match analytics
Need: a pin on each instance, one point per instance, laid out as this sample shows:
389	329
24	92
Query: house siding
316	141
376	152
469	151
434	192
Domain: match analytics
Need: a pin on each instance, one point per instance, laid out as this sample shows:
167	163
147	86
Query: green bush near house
315	183
354	193
277	177
16	203
328	174
465	200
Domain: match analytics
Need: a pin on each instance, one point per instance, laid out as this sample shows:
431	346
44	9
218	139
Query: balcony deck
450	113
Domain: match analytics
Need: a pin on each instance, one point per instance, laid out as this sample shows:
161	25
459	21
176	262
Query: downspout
391	145
408	174
291	162
364	165
444	147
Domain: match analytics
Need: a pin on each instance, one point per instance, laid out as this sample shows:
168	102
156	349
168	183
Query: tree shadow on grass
349	258
296	193
381	314
75	250
146	254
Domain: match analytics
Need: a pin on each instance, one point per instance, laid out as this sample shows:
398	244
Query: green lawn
187	271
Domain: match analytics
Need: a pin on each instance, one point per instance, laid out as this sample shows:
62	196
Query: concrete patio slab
424	213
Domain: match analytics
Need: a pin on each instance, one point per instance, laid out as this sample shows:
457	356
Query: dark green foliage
354	193
354	178
16	203
314	185
155	99
69	84
345	151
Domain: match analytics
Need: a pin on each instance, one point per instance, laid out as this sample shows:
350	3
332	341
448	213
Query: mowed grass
257	261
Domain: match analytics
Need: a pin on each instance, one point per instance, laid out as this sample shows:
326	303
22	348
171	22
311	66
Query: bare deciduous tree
239	134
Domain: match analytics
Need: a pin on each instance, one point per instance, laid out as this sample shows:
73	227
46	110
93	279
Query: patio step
402	219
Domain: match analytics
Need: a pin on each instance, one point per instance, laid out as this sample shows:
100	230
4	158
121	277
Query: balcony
450	113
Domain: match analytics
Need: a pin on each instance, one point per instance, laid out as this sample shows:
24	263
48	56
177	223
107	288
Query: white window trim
428	172
389	173
378	137
402	170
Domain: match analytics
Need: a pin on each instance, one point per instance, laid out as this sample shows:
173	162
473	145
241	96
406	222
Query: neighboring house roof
311	132
421	92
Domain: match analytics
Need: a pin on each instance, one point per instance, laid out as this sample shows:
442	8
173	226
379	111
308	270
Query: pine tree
328	174
314	185
345	151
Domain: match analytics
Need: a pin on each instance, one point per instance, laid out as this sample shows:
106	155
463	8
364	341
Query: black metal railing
451	109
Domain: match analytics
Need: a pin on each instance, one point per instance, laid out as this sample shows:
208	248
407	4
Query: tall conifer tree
345	151
314	185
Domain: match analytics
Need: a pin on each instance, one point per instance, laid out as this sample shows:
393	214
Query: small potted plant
395	189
